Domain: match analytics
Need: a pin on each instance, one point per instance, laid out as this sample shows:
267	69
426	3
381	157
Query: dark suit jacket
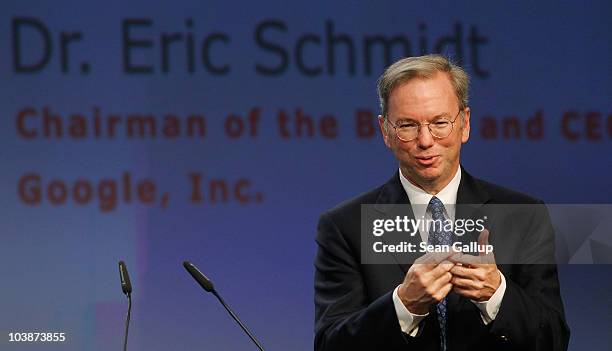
353	301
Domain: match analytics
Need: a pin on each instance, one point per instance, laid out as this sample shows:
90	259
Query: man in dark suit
444	301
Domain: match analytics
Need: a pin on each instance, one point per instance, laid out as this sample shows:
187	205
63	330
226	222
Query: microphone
126	287
199	277
208	286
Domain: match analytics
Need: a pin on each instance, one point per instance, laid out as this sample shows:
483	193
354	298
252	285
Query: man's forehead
435	94
441	78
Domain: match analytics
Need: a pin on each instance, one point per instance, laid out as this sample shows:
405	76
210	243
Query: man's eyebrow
443	114
411	119
405	119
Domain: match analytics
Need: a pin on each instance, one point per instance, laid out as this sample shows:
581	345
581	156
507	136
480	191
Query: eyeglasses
408	130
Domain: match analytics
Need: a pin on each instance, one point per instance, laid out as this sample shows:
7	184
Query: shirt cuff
408	321
490	308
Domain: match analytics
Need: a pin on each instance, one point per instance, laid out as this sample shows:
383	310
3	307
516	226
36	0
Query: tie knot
436	207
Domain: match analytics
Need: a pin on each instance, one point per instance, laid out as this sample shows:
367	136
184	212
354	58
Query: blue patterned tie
438	236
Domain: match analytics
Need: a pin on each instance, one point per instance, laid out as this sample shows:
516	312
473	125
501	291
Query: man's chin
429	174
421	176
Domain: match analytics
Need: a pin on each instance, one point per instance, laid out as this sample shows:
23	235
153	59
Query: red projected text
38	123
106	193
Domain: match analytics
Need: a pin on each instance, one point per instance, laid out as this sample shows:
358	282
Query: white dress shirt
419	199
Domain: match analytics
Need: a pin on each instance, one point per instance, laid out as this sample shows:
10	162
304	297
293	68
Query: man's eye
441	123
407	125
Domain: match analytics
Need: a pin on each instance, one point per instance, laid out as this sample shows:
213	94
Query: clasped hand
434	275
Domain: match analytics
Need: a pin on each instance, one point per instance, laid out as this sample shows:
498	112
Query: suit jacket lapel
393	193
470	201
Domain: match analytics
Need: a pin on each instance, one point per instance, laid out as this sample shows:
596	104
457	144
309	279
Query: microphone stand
127	321
229	310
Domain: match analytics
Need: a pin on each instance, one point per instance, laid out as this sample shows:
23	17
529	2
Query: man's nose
424	139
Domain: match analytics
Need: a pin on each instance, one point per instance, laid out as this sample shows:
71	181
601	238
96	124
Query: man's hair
422	67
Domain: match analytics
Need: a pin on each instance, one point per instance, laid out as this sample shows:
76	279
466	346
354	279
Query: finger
483	240
441	282
434	257
488	258
463	272
444	291
470	261
463	283
467	260
441	268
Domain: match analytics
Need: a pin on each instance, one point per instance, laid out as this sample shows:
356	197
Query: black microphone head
199	276
126	286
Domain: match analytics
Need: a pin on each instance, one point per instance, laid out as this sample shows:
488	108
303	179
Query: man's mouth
426	160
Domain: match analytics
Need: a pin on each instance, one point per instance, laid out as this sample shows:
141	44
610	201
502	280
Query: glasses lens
407	132
441	128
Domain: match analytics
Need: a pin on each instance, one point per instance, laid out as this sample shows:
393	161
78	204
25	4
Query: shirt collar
418	196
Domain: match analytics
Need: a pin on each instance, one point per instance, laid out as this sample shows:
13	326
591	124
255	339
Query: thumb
483	239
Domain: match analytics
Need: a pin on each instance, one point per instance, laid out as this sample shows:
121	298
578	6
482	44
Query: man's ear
383	131
465	131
